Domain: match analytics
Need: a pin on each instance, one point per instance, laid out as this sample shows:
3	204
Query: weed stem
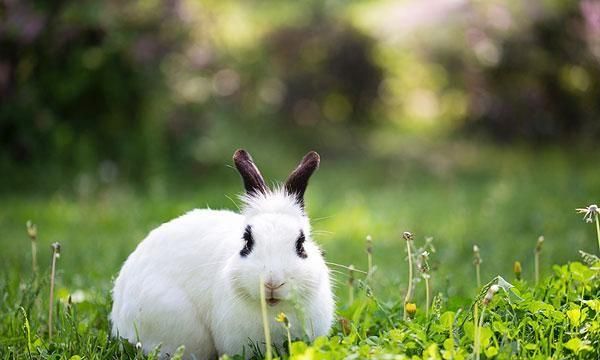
478	333
32	232
536	259
477	263
408	237
426	297
597	229
263	307
351	284
55	255
369	257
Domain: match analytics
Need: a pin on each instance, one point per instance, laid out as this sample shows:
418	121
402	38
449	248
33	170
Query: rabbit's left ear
298	180
253	180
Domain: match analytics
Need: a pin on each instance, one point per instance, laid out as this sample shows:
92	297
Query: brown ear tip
313	156
240	154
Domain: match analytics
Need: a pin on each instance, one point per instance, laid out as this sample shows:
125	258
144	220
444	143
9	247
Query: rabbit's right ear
253	180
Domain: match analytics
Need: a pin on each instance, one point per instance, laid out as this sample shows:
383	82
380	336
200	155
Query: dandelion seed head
490	294
56	247
589	212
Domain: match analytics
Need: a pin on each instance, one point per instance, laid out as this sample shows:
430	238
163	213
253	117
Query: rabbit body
194	281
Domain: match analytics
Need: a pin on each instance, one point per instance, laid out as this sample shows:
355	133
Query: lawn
457	194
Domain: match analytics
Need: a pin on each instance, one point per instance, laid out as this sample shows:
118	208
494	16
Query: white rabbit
194	281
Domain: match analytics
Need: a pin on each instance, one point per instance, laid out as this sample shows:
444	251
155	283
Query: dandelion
486	301
263	308
517	270
369	256
282	318
55	256
590	215
32	232
490	294
536	258
351	284
424	268
408	237
477	263
411	309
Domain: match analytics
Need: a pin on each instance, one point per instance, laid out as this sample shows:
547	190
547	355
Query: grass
501	200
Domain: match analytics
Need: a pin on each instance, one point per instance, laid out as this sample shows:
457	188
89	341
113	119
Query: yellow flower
411	309
282	318
517	270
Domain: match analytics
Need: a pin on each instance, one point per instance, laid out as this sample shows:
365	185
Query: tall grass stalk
476	327
350	284
369	257
477	263
478	335
32	232
536	259
479	323
282	318
597	229
423	266
55	256
427	297
408	237
265	319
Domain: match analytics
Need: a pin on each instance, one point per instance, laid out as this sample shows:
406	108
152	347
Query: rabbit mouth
273	301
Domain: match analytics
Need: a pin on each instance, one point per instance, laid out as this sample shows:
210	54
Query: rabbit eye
300	246
248	242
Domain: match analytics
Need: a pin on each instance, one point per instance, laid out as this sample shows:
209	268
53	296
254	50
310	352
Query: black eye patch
300	246
248	242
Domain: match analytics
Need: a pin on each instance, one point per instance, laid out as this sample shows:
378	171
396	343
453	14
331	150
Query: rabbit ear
253	180
298	180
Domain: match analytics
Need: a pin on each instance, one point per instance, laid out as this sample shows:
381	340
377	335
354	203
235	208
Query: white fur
186	283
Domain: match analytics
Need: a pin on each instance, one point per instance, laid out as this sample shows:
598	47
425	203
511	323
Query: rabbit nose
273	286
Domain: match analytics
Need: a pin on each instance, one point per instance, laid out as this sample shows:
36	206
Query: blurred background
473	122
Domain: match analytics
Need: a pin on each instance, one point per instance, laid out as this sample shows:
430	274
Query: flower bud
476	255
517	270
31	230
538	245
282	318
411	309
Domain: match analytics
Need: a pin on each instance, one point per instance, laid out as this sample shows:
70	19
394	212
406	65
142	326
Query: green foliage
493	201
534	326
